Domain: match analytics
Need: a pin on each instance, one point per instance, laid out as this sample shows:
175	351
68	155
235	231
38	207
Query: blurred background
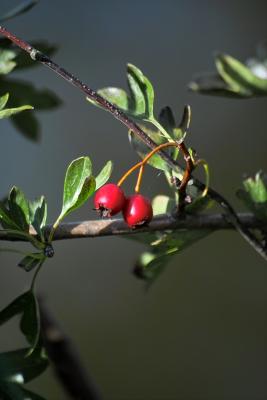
201	331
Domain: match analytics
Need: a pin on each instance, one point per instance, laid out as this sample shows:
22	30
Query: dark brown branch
111	227
65	360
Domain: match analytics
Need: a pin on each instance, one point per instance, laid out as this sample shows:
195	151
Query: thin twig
64	358
131	125
164	222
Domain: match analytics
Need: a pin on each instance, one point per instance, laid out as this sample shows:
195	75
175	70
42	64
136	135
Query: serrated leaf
103	175
6	218
78	185
255	195
18	10
38	215
7	63
166	119
19	208
141	100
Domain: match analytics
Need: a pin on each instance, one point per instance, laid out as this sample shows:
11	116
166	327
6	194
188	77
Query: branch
112	227
122	117
64	358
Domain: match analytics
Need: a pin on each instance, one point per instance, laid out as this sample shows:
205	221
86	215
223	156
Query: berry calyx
109	200
137	210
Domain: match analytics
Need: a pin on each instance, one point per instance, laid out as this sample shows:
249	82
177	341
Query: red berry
137	210
109	200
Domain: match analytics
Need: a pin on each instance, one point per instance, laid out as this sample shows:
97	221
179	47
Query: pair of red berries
110	200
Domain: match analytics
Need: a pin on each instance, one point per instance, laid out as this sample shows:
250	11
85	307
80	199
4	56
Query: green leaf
115	96
142	92
141	100
10	391
26	306
234	79
103	175
30	320
153	262
166	119
255	195
214	85
17	306
19	208
78	186
7	112
3	101
6	218
22	366
239	77
142	149
162	204
7	63
38	215
31	261
18	10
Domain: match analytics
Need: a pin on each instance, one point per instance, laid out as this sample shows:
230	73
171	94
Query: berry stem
139	179
142	163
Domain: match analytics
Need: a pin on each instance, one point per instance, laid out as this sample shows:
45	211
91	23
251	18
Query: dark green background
201	331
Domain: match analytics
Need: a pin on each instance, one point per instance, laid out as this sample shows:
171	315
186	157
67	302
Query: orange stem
142	163
139	179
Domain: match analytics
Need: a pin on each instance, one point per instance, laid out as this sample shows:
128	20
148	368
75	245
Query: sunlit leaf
162	204
7	63
139	104
103	175
78	186
254	195
234	78
3	101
